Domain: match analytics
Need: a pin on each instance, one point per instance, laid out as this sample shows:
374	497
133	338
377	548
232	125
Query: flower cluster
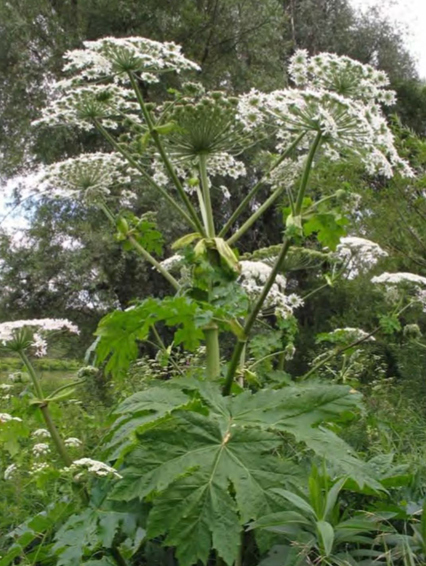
6	418
350	334
329	102
91	175
400	278
72	442
5	389
9	332
82	106
116	57
41	449
38	468
94	467
253	276
398	284
41	433
340	74
358	254
10	471
82	99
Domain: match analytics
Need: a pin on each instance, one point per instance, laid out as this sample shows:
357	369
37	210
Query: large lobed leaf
210	470
120	331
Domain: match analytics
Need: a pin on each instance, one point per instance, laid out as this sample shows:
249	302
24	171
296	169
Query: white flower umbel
6	418
400	278
41	449
358	254
72	442
79	106
8	329
41	433
38	468
10	471
337	97
113	57
94	467
352	333
89	176
349	335
253	276
342	75
399	285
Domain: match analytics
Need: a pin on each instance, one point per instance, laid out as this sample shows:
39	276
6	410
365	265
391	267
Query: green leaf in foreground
210	470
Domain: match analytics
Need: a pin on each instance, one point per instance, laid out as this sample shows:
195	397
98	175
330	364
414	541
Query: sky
412	15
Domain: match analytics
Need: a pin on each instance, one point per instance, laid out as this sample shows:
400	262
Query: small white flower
72	442
295	301
41	449
41	433
10	471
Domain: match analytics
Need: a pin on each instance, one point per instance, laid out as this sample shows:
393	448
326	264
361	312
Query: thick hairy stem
44	408
145	175
211	334
246	200
206	196
239	347
168	164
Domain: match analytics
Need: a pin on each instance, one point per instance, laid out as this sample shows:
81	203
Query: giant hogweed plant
199	457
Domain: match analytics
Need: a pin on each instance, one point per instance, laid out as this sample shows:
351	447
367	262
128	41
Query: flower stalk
251	319
168	164
44	408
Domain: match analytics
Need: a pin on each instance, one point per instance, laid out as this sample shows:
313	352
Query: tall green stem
210	229
211	334
246	200
145	175
44	408
168	164
251	319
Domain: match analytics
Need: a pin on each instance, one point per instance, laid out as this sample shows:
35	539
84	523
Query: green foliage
120	331
199	454
316	524
85	534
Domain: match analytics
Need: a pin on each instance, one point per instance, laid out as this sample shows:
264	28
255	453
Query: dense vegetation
236	233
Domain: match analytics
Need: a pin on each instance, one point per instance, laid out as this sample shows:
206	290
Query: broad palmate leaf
120	331
211	468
